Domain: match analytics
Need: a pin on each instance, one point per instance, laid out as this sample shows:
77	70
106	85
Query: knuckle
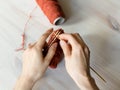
34	49
37	47
79	47
70	35
77	34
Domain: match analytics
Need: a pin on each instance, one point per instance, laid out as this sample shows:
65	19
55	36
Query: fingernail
62	42
55	45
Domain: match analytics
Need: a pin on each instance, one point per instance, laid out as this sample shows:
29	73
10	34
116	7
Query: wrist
85	82
24	83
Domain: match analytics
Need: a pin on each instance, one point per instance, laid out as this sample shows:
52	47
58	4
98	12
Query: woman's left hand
34	64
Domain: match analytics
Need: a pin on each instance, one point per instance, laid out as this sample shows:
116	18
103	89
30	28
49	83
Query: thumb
65	47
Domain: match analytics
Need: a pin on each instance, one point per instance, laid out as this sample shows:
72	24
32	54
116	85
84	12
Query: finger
86	49
79	37
30	45
87	52
51	53
41	42
87	55
84	46
65	47
70	38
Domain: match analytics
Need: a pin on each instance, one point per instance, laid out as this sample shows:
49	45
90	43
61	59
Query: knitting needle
98	74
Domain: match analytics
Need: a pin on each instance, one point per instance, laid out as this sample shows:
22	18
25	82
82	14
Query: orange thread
52	10
25	28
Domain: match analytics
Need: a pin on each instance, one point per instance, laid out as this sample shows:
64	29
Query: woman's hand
76	54
77	57
34	63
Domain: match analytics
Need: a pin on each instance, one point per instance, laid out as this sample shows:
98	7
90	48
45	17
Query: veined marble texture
90	18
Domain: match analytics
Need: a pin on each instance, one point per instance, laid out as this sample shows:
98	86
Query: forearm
85	82
24	83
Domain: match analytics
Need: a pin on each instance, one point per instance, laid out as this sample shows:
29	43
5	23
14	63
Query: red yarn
59	53
51	9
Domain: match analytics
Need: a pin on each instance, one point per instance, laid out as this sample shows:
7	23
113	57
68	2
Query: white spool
59	21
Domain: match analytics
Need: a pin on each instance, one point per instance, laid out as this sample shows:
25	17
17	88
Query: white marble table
87	17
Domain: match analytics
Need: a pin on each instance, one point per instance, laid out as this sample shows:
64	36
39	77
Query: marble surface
87	17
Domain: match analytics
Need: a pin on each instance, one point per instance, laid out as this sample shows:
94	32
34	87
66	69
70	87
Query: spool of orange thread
52	10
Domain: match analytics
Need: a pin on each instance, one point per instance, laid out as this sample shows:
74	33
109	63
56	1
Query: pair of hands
75	51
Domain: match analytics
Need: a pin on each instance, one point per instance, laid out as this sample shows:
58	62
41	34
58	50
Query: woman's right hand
76	54
77	57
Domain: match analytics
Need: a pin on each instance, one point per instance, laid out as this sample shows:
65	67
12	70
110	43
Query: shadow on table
73	11
105	55
102	50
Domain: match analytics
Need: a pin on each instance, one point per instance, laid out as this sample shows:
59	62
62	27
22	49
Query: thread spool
52	10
